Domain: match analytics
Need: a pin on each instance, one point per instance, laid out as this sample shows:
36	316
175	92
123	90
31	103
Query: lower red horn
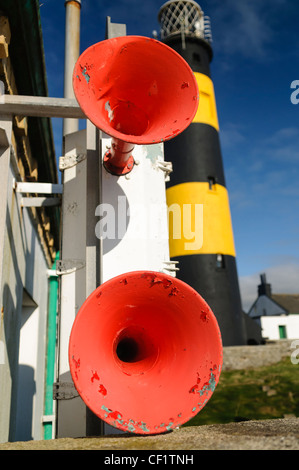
145	352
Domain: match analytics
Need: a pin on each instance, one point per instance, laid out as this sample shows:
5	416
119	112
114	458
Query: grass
253	394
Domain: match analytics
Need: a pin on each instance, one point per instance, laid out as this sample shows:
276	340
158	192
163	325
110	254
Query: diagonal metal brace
68	161
67	266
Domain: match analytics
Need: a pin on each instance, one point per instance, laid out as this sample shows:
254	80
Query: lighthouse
197	196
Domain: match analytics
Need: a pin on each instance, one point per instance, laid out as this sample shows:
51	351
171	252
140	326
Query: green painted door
282	331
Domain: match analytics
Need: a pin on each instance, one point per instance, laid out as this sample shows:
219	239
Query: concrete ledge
277	434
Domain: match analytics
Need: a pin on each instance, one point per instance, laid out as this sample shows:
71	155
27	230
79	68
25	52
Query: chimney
264	288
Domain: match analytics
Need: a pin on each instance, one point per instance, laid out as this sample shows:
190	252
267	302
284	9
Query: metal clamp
166	167
170	266
64	391
68	161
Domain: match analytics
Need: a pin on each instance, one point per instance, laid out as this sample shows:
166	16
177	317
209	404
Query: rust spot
185	85
75	4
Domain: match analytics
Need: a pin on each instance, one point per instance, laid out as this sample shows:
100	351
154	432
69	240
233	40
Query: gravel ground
277	434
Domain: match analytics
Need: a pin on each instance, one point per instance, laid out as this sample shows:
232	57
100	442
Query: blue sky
256	58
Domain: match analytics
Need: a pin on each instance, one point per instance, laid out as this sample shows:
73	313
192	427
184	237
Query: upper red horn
135	89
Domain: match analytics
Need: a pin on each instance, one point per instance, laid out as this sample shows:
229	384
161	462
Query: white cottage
277	314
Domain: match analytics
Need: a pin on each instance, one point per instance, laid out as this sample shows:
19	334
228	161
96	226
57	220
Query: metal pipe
72	51
119	160
51	353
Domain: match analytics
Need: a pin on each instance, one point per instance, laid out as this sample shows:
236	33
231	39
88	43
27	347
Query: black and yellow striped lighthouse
200	227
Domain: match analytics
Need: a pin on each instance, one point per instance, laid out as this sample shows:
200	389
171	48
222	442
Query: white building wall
23	266
270	326
136	229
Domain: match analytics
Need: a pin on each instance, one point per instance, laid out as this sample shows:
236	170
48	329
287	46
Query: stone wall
243	357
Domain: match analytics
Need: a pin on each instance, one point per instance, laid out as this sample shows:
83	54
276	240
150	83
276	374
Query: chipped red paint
174	291
204	315
195	387
95	376
185	85
115	415
102	390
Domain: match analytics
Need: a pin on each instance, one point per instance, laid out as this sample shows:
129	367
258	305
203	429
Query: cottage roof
288	301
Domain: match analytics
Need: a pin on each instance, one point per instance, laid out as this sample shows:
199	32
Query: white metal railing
40	106
184	17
